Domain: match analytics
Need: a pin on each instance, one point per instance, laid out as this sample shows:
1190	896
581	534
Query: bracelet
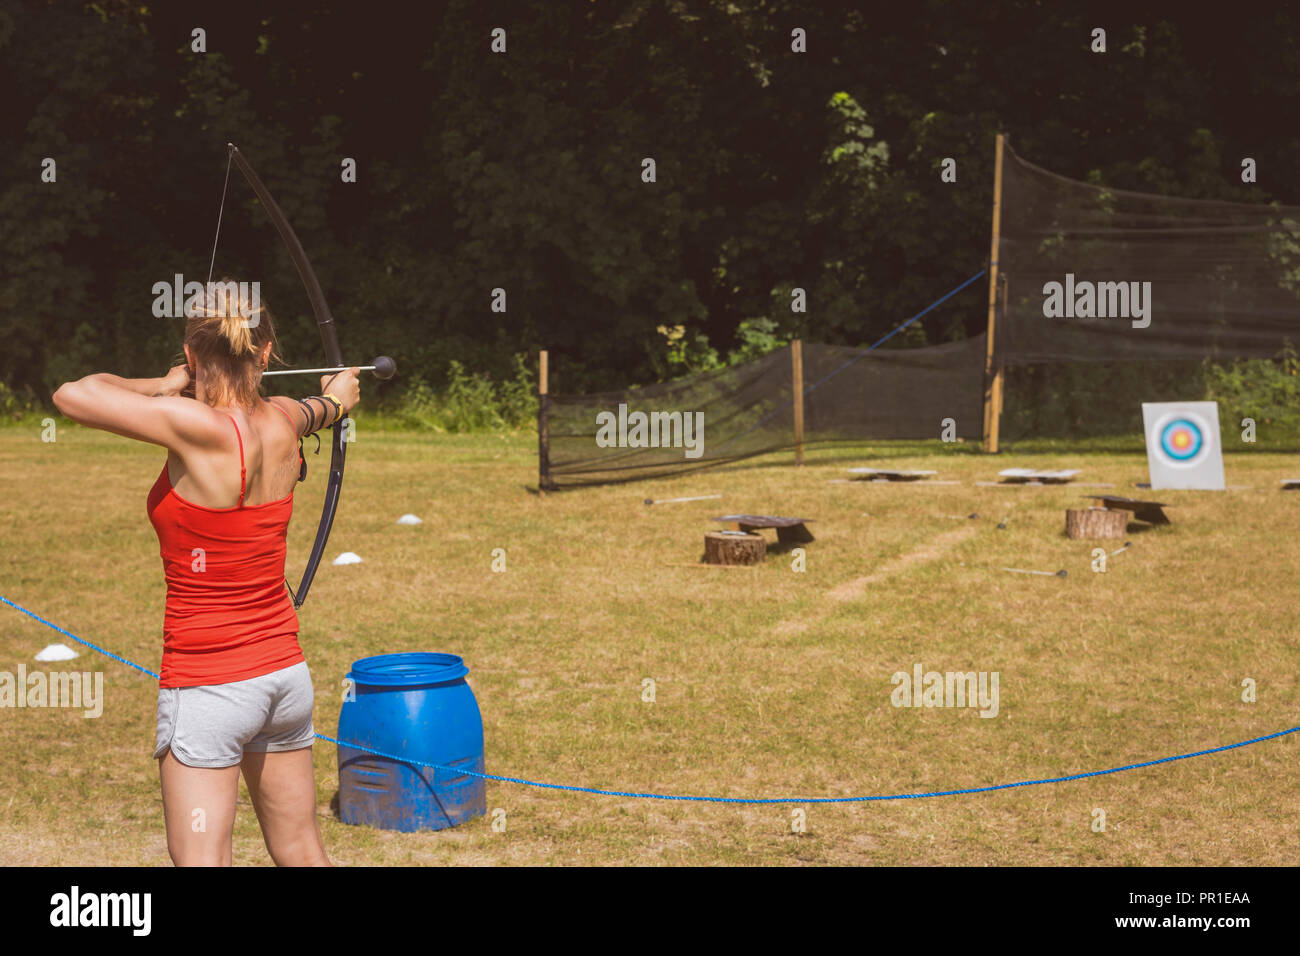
325	408
309	414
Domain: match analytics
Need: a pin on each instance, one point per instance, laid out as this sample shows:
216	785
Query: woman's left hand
343	386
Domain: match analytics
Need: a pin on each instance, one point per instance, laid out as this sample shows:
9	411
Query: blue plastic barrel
417	706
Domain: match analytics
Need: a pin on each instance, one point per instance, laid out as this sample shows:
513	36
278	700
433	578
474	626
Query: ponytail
226	336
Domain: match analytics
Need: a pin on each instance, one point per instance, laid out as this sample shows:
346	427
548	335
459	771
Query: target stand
885	474
1152	512
789	531
1034	476
1184	449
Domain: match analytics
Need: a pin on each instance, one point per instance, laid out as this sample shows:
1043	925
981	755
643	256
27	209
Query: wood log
728	547
1095	523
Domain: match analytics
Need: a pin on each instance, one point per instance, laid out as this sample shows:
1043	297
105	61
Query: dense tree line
522	170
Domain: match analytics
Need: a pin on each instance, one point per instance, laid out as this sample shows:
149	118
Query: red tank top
229	616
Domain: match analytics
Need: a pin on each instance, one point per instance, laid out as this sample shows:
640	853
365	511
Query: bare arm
146	409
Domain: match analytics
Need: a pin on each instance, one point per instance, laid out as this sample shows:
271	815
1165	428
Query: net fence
1114	298
850	395
1108	298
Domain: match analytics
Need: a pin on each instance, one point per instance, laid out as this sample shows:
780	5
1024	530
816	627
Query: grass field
769	682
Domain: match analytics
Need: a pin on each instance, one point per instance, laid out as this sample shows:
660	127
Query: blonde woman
235	694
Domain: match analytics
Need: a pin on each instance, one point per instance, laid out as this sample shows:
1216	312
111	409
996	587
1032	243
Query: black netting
849	395
1224	277
1207	280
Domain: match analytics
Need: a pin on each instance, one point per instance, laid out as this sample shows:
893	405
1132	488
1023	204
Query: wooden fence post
992	369
796	358
543	425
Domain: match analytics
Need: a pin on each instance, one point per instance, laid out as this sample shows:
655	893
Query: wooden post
1000	371
992	372
796	359
543	430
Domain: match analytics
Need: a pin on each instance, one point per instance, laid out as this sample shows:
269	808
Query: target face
1182	439
1183	447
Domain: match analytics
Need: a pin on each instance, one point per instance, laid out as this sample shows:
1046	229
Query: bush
18	406
471	402
1267	390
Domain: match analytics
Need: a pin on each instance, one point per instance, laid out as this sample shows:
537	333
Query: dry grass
769	682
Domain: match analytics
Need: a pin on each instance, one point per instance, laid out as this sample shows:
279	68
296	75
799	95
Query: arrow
384	368
666	501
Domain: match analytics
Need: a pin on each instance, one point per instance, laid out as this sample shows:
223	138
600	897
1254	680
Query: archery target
1183	445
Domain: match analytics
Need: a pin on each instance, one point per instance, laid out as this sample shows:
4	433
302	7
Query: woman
235	693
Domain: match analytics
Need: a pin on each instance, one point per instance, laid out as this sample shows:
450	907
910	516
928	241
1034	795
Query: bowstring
224	186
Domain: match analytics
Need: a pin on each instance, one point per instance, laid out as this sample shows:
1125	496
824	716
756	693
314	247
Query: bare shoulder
291	409
194	422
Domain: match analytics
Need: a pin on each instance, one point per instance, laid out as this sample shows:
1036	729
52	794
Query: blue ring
1166	440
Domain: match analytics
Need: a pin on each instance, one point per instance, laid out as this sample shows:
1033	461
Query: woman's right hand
176	381
344	386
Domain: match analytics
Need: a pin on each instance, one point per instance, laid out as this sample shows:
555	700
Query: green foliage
1267	390
755	338
772	172
865	159
686	353
18	407
470	402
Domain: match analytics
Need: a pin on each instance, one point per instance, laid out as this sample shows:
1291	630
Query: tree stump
1095	523
734	547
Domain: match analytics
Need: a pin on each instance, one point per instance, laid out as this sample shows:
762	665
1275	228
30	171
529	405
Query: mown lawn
769	682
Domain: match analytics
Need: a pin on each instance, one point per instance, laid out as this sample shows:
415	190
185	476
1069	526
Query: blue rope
826	378
461	771
929	308
94	647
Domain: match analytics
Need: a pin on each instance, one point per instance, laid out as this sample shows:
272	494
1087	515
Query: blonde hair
226	336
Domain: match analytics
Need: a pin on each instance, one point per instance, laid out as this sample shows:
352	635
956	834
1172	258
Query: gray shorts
216	724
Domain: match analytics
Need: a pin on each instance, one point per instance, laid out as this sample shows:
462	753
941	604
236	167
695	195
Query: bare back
209	476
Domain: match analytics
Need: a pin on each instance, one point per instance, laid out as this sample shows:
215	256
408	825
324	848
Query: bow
333	357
